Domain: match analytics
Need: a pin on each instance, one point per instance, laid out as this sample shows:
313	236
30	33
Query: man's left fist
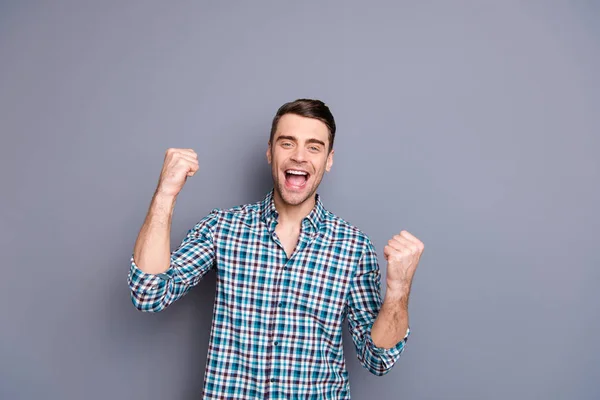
402	253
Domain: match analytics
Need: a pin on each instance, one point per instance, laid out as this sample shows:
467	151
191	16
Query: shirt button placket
275	342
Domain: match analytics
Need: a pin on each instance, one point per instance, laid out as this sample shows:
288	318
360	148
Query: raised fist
178	165
402	253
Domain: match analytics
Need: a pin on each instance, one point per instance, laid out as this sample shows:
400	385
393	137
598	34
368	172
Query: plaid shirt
277	323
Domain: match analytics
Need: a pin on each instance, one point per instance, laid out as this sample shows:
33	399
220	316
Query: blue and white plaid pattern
277	323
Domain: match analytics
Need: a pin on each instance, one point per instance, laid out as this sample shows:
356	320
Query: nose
299	154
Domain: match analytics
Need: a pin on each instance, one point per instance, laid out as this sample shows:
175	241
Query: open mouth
296	178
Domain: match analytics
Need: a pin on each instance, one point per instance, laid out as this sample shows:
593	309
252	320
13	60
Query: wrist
163	202
398	288
164	194
396	295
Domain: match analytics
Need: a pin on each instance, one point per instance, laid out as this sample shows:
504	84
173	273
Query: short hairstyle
309	108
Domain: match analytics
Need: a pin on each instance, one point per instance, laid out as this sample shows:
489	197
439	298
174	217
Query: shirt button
285	267
272	379
280	304
275	343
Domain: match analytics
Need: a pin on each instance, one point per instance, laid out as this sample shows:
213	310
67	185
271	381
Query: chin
291	198
294	198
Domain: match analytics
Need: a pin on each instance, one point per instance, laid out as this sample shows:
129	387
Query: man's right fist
178	165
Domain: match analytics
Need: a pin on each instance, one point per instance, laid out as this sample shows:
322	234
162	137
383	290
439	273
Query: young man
288	273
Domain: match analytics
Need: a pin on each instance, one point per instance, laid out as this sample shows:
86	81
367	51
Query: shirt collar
312	221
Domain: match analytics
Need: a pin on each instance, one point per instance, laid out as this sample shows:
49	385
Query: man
288	273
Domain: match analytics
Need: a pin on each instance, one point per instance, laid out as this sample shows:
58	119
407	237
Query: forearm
391	324
152	250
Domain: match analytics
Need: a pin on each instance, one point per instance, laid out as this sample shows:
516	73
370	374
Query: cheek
273	158
322	163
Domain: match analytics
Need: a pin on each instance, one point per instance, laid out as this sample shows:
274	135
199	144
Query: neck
293	215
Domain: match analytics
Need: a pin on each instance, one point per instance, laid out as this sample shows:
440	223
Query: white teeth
296	172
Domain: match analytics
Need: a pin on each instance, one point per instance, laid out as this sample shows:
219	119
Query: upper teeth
296	172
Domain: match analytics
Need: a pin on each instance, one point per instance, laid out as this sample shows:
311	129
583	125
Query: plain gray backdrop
473	124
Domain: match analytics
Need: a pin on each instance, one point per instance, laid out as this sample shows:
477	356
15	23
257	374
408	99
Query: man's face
299	157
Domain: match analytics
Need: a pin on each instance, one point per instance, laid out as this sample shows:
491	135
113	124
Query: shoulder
354	241
245	213
338	228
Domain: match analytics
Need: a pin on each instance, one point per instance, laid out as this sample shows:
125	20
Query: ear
269	153
329	161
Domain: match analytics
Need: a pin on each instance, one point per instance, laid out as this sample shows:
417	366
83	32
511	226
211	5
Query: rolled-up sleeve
194	257
363	305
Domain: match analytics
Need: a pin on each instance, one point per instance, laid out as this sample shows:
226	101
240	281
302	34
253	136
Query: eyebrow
295	139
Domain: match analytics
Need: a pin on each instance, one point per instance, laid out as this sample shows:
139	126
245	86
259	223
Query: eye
286	144
314	148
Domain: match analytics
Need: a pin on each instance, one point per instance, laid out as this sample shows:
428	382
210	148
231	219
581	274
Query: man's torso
277	324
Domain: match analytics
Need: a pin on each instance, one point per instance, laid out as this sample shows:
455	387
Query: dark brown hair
307	108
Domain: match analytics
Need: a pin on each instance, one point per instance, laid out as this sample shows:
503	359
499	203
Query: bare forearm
392	321
152	249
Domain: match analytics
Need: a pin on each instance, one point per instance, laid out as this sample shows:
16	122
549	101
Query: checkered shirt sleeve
194	257
364	303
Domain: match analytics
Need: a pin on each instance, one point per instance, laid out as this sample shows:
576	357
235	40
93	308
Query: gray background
474	125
